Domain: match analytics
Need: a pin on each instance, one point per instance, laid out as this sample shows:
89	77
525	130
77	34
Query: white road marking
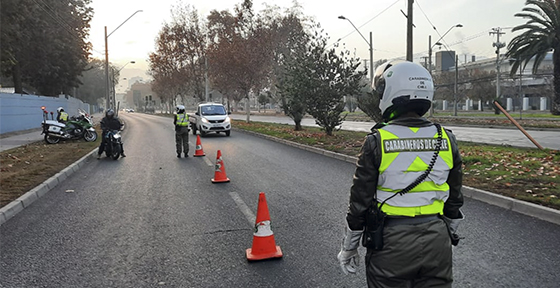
208	162
244	208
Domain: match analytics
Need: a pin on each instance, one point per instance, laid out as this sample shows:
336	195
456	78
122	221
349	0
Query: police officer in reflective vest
406	192
61	115
181	123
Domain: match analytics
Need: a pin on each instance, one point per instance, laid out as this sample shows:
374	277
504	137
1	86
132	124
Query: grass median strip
27	166
523	173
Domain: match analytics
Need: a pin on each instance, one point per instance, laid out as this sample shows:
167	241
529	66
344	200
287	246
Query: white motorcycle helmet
59	109
180	109
402	87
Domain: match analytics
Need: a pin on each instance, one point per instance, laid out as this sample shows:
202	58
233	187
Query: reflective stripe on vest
406	154
63	116
182	119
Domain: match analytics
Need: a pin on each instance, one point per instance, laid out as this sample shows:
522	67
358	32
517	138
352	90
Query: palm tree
542	34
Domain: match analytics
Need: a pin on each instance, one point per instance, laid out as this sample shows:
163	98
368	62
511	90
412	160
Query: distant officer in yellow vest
406	193
181	123
61	116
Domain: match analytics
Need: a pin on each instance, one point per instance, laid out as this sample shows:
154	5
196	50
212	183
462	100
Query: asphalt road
500	136
153	220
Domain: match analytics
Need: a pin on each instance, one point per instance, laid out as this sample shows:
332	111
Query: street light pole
430	46
370	44
115	82
107	94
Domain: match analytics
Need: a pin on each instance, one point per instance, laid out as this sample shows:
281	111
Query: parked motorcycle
77	127
113	146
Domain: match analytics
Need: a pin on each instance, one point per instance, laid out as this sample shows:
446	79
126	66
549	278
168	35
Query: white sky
135	39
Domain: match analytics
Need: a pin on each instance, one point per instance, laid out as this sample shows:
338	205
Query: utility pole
206	78
409	25
425	62
371	56
520	94
430	53
107	94
498	45
455	85
430	70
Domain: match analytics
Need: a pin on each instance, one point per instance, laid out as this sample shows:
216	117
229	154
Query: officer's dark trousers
416	256
182	140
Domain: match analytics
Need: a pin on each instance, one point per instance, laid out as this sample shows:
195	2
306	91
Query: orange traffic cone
198	152
264	246
220	174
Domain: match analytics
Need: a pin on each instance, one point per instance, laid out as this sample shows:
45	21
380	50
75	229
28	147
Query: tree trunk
16	74
555	105
248	110
298	125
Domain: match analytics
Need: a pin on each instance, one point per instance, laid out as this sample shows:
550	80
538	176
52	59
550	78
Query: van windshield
213	110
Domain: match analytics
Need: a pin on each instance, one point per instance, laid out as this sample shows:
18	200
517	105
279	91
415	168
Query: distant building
133	80
526	81
121	99
445	60
140	96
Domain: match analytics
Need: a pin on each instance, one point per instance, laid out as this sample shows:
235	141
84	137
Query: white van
210	117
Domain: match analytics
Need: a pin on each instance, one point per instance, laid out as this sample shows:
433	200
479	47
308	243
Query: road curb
523	207
16	206
519	206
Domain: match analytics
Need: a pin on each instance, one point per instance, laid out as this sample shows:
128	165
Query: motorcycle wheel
90	136
115	151
108	147
51	139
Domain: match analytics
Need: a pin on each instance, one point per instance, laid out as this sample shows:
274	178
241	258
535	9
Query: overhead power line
353	31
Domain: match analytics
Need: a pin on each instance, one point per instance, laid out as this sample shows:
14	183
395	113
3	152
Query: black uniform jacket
362	193
110	124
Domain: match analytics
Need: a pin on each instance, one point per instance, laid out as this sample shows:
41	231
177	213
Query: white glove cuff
454	223
351	240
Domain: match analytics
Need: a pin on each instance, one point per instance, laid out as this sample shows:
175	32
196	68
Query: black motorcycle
113	146
77	127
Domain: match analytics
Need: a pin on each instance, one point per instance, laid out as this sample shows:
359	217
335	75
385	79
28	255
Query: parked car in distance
210	117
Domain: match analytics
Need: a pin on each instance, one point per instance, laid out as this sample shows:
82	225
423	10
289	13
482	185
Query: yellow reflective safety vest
406	154
182	120
63	116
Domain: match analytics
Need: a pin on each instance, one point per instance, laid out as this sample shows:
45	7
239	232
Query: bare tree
178	64
240	52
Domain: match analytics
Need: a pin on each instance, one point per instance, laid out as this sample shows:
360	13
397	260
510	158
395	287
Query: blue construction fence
22	111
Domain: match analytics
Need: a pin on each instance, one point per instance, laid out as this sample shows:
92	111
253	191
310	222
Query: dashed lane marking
244	208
